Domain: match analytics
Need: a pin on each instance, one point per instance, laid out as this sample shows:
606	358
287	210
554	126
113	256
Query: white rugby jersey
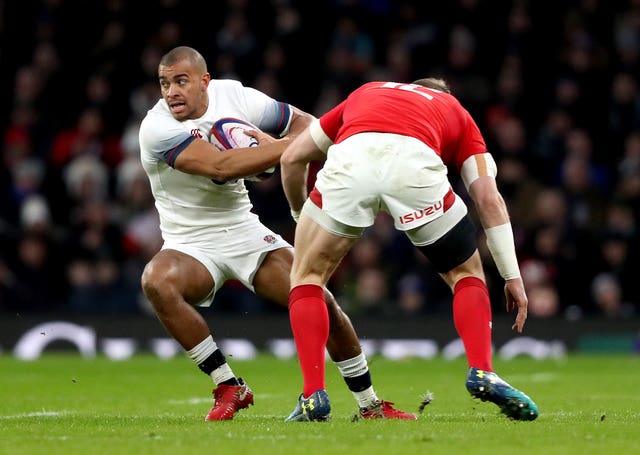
190	205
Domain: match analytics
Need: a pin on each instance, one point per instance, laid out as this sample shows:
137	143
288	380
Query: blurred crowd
554	89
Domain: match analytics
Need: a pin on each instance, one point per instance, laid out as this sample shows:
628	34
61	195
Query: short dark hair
434	83
184	53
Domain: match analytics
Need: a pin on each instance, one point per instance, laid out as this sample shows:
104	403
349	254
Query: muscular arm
494	218
294	168
299	122
490	205
202	158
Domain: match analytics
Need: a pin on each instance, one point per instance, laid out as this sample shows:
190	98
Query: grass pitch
63	404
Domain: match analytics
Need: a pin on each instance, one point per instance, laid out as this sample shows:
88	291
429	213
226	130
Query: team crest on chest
269	239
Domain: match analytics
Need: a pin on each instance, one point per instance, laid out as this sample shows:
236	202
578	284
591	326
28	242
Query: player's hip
241	237
378	163
236	253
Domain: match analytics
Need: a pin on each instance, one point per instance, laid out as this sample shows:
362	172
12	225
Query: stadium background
553	86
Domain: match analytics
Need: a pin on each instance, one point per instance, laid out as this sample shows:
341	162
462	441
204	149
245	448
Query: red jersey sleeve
332	121
471	141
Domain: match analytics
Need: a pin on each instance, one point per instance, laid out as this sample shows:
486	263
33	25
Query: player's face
184	89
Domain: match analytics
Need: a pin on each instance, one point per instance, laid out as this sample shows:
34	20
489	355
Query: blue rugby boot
316	408
487	386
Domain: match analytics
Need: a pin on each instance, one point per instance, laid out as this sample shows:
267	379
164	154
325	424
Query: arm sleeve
332	121
478	165
163	138
266	113
319	136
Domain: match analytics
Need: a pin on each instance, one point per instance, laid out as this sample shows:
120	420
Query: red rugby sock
310	325
472	319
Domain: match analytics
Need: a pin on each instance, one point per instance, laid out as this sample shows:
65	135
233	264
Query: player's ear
206	78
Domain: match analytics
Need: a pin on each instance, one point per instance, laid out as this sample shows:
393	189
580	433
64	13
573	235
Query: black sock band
215	360
359	383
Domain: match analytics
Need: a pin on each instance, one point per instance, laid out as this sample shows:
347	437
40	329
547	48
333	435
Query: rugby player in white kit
210	234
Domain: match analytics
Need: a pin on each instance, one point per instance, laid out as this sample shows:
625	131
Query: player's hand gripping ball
228	133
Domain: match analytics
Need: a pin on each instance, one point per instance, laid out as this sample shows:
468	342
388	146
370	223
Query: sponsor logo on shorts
418	214
269	239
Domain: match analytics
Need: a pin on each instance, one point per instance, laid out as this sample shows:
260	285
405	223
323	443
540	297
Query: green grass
63	404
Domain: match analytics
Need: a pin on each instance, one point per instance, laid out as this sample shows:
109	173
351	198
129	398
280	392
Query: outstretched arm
294	169
494	217
202	158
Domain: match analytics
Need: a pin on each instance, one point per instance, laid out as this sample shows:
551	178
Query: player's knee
154	281
472	267
148	282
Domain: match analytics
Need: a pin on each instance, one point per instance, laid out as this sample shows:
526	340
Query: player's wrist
502	248
295	214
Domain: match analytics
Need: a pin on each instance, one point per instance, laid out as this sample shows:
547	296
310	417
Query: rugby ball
228	133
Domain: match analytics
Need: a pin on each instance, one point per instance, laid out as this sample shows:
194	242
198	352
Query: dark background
553	86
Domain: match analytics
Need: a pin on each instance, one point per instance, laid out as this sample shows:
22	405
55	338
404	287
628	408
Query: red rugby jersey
435	118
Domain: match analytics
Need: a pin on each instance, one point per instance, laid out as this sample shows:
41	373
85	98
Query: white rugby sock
222	373
202	350
365	398
354	367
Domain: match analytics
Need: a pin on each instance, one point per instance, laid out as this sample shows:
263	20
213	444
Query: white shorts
421	236
234	253
372	172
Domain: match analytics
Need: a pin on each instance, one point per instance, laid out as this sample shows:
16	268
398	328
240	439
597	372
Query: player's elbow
300	121
490	201
292	157
215	171
226	167
286	159
222	174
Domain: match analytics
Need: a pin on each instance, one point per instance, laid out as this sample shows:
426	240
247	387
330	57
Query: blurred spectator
87	137
25	180
550	207
509	138
544	301
579	143
518	189
628	174
548	147
98	287
411	297
86	179
616	258
462	69
369	294
35	215
31	279
95	251
626	46
420	295
135	214
608	298
350	55
624	110
237	39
